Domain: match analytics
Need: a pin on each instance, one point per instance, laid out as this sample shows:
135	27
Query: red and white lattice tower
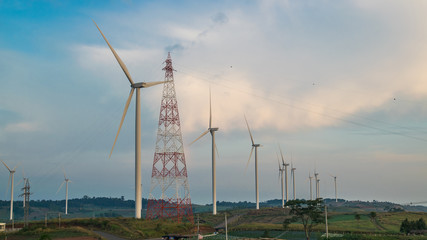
169	194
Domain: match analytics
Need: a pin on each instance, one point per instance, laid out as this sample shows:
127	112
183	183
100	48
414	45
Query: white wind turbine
335	183
311	188
66	180
293	179
285	166
137	86
281	169
256	163
11	173
212	130
316	174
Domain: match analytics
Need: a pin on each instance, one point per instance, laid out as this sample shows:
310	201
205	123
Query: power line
281	102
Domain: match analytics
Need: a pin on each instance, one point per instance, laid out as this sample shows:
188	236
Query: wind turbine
285	165
281	169
311	188
212	130
335	182
318	187
316	174
11	173
293	178
66	180
137	86
256	163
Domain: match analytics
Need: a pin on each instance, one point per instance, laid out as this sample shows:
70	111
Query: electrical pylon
169	193
26	194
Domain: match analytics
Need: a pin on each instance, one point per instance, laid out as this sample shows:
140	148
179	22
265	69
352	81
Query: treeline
415	227
103	202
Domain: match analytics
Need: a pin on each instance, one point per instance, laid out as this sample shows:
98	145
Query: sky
340	85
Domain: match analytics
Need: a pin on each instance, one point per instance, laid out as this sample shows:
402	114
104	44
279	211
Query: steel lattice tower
169	193
26	202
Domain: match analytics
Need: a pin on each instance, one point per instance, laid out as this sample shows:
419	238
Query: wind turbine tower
11	173
66	180
281	169
169	193
285	166
293	179
335	183
212	130
256	163
311	188
316	183
133	86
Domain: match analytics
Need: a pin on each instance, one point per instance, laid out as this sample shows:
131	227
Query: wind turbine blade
7	188
210	108
60	187
252	139
217	153
203	134
6	166
281	154
20	182
123	118
250	155
278	161
65	176
122	65
150	84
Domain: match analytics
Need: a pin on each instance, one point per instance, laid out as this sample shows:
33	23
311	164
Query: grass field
249	223
37	233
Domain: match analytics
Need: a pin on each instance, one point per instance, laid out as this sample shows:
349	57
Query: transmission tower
26	203
169	193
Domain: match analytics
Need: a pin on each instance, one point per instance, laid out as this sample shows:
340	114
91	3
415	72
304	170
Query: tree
372	216
420	224
357	217
308	212
405	226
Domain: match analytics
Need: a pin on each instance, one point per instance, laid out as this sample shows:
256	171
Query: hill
90	207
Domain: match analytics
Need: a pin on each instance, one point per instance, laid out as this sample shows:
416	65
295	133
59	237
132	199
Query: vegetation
373	216
308	212
356	220
410	226
36	233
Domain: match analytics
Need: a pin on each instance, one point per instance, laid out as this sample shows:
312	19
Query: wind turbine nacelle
256	145
213	129
139	85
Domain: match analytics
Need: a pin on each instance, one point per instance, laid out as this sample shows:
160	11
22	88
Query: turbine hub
138	85
213	129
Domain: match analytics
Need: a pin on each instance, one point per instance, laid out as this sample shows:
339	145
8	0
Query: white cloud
22	127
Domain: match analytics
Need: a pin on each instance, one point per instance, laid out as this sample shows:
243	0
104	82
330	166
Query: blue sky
340	85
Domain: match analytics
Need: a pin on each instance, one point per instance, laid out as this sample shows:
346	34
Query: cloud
174	48
220	18
283	80
22	127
